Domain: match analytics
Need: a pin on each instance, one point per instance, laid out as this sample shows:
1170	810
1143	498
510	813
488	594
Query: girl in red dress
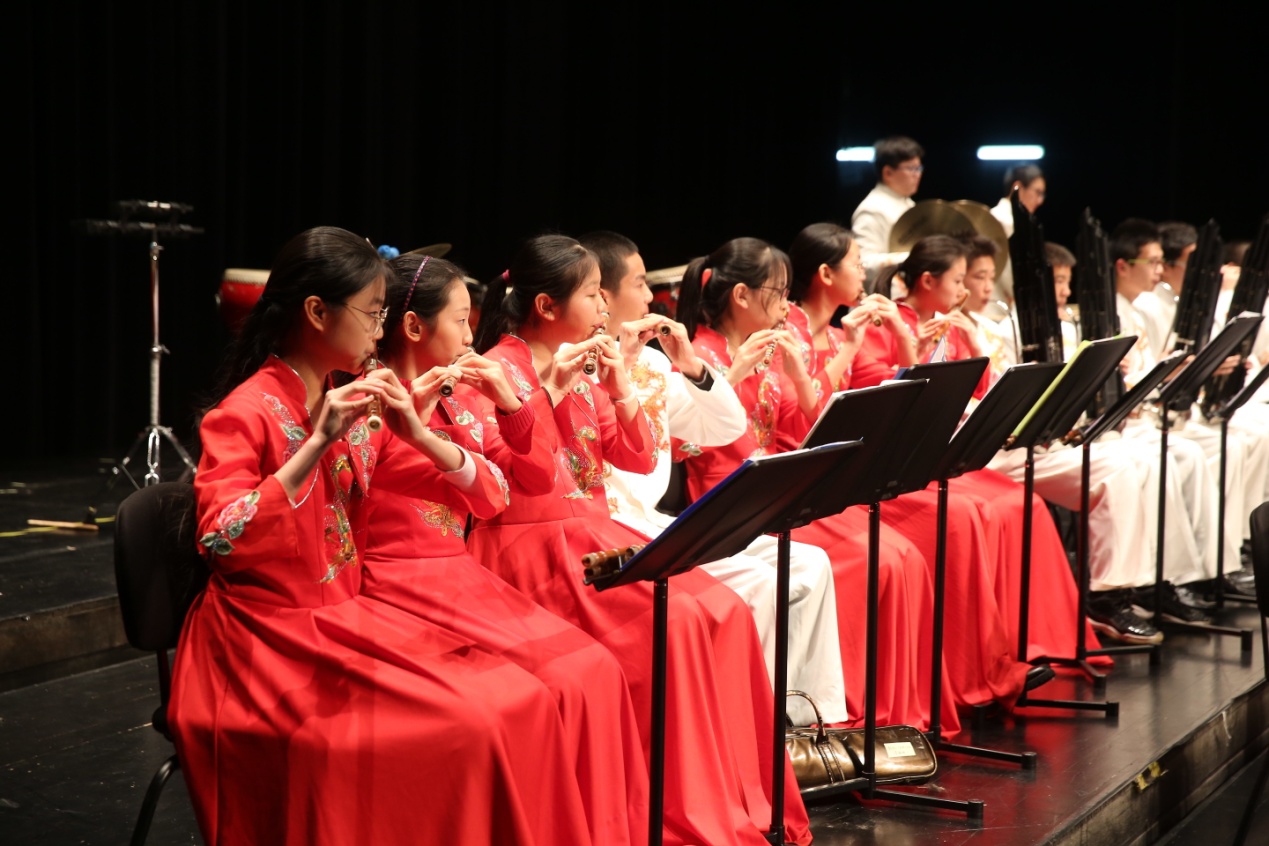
417	558
934	272
730	301
302	711
718	746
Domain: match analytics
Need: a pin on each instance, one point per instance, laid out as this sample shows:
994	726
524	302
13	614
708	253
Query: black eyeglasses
377	316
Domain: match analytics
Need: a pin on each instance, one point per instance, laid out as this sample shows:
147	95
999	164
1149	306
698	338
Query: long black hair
933	254
708	281
326	262
418	283
555	265
819	243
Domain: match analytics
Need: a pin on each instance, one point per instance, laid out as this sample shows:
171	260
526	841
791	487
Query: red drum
665	289
239	290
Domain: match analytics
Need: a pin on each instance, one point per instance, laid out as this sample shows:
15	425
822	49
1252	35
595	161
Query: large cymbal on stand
928	217
433	250
986	224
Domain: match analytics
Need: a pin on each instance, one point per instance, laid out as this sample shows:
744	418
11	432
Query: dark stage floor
1183	762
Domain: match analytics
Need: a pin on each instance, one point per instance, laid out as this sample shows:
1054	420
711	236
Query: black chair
158	572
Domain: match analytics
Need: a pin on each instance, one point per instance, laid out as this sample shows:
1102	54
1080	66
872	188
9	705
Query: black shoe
1110	615
1193	597
1036	676
1173	610
1235	584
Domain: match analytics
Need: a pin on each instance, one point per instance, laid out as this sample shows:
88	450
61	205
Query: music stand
1052	417
1179	395
975	443
898	460
149	219
722	523
1084	438
1223	413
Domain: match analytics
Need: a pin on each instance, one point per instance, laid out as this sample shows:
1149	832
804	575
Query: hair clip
387	252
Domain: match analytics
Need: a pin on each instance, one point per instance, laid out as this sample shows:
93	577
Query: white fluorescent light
1010	152
855	154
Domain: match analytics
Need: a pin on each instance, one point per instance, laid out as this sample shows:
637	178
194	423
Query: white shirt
872	222
710	418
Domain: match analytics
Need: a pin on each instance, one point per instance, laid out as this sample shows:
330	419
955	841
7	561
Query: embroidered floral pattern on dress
582	389
439	517
337	534
523	386
579	460
229	523
762	416
359	439
463	417
690	449
501	479
650	385
294	432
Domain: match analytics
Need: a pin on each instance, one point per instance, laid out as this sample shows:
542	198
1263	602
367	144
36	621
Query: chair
158	572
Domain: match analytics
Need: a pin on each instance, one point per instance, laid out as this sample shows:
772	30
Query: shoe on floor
1233	584
1110	614
1174	610
1036	676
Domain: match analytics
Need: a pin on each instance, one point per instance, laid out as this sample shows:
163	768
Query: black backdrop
474	124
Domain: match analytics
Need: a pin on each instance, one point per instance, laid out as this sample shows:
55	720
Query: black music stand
1084	437
1049	420
1178	395
1223	413
755	496
904	426
975	443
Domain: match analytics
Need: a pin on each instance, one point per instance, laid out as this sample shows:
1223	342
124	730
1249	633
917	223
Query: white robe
713	418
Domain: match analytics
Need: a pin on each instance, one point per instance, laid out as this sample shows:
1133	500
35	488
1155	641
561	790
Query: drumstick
374	413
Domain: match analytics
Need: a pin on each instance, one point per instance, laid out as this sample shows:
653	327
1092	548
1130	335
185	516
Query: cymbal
986	224
928	217
433	250
666	276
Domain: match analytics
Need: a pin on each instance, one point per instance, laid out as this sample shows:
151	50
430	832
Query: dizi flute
447	387
771	348
592	355
374	413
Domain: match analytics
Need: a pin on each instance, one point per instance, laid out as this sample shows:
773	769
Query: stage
78	752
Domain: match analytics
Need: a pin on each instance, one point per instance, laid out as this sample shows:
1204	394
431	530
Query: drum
239	290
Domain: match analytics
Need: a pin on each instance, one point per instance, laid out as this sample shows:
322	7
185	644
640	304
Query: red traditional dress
777	424
305	713
417	559
1051	625
718	749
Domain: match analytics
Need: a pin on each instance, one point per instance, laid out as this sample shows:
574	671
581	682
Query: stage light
855	154
1010	153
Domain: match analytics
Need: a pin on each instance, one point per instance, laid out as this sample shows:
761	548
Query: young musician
302	711
683	397
935	270
541	323
898	163
416	556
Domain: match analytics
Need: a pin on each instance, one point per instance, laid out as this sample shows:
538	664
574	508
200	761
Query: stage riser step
1143	810
58	634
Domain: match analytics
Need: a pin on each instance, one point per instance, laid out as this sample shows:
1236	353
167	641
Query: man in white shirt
898	163
680	394
1138	258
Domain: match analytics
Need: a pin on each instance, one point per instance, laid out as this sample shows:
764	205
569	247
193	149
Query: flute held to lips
771	348
374	413
592	355
447	387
